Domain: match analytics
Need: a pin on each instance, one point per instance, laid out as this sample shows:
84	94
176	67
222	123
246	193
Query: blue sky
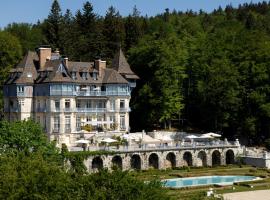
32	10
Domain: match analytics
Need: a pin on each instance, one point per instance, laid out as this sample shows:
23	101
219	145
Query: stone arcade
165	158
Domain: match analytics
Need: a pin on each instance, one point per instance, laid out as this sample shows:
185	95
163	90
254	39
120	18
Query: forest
198	71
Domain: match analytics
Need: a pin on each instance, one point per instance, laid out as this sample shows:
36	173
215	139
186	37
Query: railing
132	84
67	130
102	93
15	110
88	93
41	109
62	93
89	110
56	130
21	94
144	147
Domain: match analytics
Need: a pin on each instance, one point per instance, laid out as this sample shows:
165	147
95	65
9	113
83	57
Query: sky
31	11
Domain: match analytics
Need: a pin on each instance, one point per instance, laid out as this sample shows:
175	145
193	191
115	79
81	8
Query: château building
64	96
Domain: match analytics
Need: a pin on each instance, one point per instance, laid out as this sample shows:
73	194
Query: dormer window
73	74
84	75
20	89
95	76
29	75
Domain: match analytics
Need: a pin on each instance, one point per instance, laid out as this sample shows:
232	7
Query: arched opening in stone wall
117	162
153	161
170	161
135	162
201	159
187	157
97	163
216	158
229	157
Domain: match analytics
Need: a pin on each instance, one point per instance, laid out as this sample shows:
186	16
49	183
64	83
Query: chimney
66	61
100	65
44	54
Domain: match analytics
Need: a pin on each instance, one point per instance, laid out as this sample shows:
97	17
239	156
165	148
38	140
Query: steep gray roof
111	76
120	64
26	69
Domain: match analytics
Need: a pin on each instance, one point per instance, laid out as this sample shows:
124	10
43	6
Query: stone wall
163	159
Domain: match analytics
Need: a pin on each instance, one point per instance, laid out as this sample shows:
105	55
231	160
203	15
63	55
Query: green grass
199	192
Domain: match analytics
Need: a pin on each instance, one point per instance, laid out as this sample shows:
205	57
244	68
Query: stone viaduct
165	158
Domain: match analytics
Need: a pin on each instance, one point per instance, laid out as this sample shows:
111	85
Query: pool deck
251	195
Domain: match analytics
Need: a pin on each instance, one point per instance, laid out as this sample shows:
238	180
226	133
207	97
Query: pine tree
113	31
52	25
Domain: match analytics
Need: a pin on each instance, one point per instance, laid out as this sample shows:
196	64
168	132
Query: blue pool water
205	180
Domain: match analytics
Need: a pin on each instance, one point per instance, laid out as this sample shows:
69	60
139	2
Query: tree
133	29
29	36
33	177
22	136
89	39
160	63
10	53
52	24
113	31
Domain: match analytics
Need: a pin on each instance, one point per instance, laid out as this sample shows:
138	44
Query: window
88	104
112	104
56	124
78	123
38	104
38	119
88	118
95	76
122	104
73	75
67	104
101	104
67	123
20	89
100	118
122	122
78	103
84	75
57	104
112	119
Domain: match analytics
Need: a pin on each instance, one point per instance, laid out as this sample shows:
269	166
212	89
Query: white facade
66	97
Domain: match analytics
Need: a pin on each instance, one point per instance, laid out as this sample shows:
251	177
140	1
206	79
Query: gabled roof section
120	64
27	67
57	73
111	76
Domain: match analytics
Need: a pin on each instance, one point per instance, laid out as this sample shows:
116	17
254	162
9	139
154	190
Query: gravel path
251	195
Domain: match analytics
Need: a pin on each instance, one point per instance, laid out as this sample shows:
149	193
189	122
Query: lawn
199	192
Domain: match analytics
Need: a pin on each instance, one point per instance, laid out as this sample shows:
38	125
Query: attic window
29	75
73	74
63	74
84	76
95	76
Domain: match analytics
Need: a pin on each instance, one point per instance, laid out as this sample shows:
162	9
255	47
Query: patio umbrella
108	140
206	136
191	137
212	134
82	141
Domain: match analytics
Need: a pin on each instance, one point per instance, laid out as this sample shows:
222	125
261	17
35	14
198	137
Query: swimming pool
206	180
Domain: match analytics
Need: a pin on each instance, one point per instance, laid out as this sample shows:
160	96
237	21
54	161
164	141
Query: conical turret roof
120	64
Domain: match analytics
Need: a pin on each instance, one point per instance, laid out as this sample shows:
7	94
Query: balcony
20	94
67	130
84	93
91	110
41	109
56	130
102	93
15	110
